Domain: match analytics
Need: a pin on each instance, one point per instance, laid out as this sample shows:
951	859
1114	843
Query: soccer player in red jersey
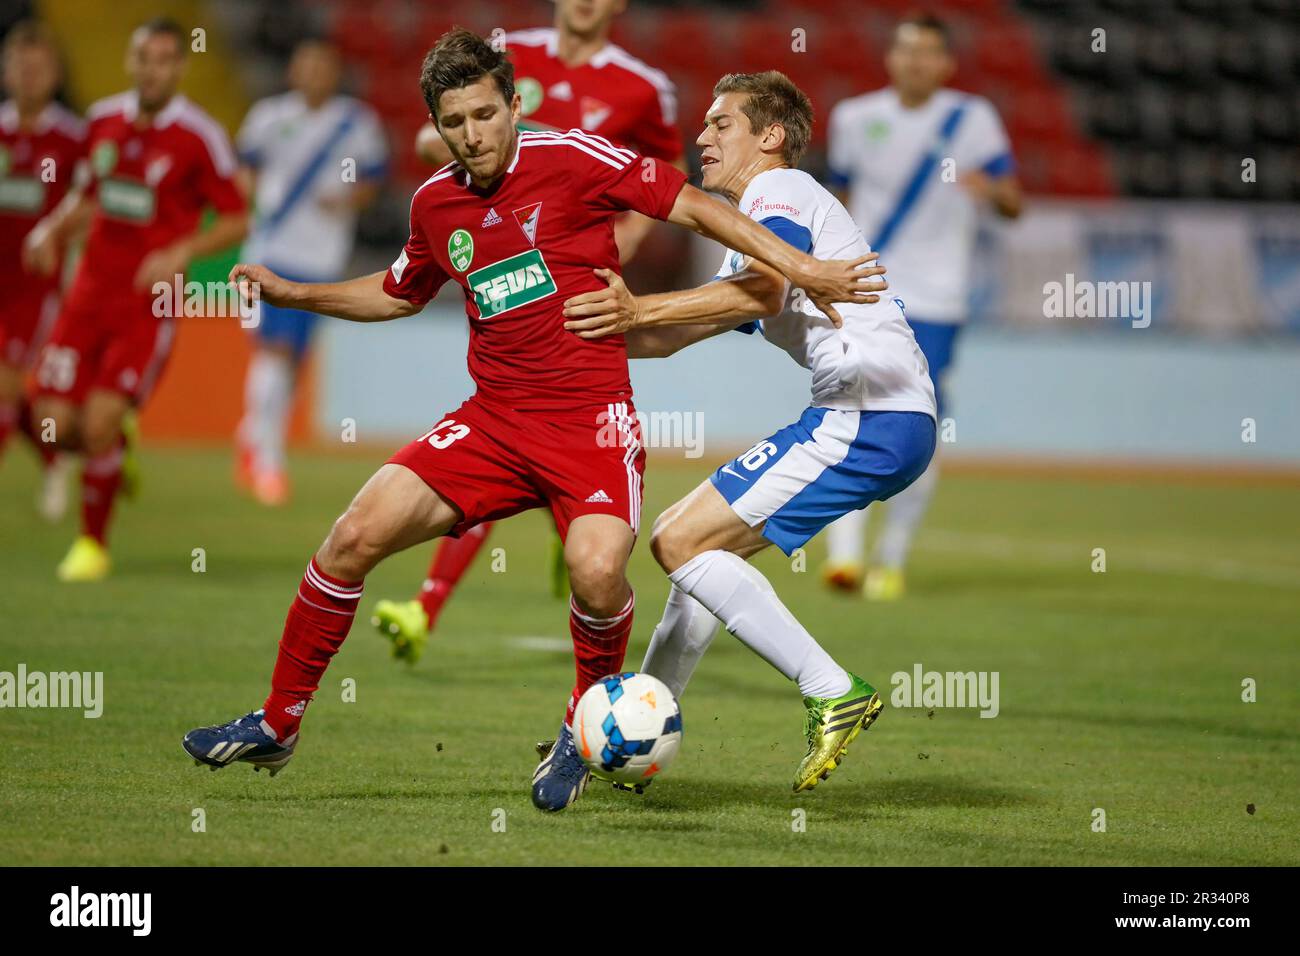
520	222
568	76
41	143
156	162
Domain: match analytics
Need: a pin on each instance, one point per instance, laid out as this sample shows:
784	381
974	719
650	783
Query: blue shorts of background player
937	341
828	463
287	328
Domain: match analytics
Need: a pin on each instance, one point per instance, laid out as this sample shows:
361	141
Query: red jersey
36	171
522	247
613	94
152	183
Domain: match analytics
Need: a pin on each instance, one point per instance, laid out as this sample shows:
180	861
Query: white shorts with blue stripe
826	464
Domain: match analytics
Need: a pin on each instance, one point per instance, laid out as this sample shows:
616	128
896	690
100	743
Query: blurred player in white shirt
918	162
317	158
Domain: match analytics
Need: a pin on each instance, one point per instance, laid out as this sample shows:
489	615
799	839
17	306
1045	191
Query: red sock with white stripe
451	559
598	646
317	624
101	476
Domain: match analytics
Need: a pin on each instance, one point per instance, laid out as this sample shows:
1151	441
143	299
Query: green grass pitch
1119	690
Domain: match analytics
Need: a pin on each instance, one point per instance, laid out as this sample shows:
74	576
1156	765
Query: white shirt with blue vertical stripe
873	362
302	156
902	169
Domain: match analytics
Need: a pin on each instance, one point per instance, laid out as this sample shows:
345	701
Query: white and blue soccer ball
628	727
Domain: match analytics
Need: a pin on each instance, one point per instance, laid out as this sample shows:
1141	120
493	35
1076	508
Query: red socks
100	477
451	559
314	630
598	647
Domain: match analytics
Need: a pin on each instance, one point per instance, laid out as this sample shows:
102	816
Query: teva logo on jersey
74	908
460	249
527	218
126	199
510	283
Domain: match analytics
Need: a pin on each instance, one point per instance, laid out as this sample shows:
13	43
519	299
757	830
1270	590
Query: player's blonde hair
773	99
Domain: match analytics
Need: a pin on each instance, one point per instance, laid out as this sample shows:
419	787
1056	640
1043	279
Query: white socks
680	640
268	394
844	537
905	511
740	597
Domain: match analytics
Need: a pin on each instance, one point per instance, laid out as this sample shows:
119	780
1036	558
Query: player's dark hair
166	26
773	99
928	21
458	59
29	33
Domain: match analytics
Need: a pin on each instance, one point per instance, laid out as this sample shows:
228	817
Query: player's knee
56	424
671	544
353	546
100	435
599	580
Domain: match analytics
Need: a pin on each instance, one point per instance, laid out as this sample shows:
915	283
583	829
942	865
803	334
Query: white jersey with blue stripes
304	158
873	362
902	169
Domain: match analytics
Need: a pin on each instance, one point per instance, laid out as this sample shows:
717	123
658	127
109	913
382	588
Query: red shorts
112	342
26	318
493	462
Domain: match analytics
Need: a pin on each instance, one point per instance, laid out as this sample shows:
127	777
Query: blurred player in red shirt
522	221
41	143
568	76
157	162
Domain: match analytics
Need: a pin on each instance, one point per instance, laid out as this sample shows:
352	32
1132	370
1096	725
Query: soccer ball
628	727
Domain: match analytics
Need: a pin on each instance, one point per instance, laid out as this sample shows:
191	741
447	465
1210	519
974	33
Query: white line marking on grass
1000	546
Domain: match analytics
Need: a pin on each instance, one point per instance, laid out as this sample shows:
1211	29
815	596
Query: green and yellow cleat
884	584
831	724
131	473
87	560
405	624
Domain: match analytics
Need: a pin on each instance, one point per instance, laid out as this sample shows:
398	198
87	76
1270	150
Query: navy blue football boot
561	776
246	738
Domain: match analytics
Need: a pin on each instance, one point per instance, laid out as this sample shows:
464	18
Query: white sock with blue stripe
740	597
683	635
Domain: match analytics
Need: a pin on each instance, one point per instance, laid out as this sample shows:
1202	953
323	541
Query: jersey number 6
757	456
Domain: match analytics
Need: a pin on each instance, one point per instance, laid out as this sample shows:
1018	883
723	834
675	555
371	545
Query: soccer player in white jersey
919	162
317	158
868	432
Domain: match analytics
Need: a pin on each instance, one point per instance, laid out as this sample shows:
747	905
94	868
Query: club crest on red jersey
527	217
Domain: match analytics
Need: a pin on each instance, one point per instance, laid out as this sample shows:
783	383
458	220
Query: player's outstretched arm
755	293
357	300
824	281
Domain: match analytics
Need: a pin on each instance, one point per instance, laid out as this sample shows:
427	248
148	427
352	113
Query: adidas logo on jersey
491	219
601	497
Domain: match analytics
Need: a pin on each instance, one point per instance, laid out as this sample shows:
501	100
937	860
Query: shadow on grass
840	800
